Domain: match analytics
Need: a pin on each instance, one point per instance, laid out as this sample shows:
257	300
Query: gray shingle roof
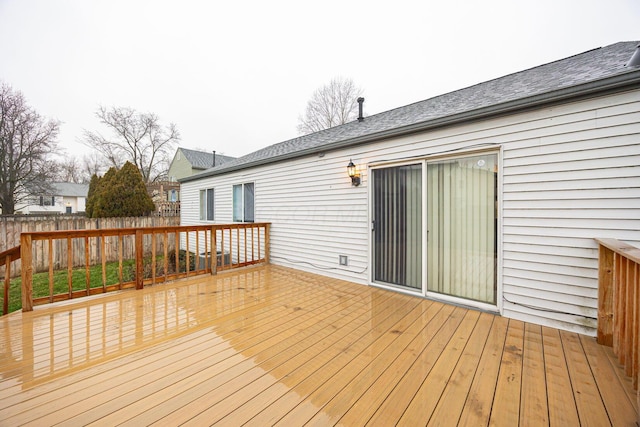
558	80
204	160
70	189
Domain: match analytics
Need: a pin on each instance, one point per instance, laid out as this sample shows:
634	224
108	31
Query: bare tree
92	164
69	170
135	137
330	105
27	142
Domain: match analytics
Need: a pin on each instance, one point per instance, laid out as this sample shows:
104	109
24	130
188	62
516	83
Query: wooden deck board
425	401
454	396
477	407
389	362
310	376
620	410
533	400
271	345
562	405
591	410
506	402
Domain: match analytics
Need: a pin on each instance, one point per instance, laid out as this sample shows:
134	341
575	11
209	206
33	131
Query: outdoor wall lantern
352	171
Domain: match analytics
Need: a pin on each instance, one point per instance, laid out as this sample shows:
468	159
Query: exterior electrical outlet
344	260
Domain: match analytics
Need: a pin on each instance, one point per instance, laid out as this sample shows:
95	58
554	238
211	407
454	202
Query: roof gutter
612	84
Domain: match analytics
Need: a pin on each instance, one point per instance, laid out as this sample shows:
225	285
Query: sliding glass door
460	218
461	223
397	226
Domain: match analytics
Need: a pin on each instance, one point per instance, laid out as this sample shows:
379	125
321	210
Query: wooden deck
276	346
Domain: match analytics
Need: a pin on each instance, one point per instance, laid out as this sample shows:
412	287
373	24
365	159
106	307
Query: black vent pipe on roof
635	58
360	102
214	158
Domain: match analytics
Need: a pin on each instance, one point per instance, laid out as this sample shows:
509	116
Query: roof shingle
570	72
203	159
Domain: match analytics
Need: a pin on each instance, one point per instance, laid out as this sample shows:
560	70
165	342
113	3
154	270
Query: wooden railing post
139	259
27	272
605	296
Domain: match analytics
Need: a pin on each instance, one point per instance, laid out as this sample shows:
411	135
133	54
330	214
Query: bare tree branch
27	143
331	105
136	137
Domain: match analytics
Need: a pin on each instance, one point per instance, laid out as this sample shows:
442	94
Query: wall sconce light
353	174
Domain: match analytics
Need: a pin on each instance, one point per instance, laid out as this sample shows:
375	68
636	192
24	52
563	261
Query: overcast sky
235	75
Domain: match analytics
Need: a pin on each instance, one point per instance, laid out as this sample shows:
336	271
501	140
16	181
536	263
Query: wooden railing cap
622	248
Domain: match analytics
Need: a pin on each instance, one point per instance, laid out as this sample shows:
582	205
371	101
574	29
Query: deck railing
160	254
619	303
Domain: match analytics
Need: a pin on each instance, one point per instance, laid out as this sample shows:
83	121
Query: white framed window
207	204
243	202
46	201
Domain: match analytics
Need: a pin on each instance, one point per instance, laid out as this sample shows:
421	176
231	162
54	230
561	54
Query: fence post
27	272
139	259
605	296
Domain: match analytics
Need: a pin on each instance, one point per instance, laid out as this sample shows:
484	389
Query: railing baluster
207	254
628	313
231	247
636	329
186	265
27	271
7	283
50	269
253	255
153	258
177	250
139	258
70	266
104	262
87	261
166	254
222	249
267	242
120	249
197	252
214	250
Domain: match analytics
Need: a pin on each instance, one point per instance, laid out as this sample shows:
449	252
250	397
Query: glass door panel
461	227
397	226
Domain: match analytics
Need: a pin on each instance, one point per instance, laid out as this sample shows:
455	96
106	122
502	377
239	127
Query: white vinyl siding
568	173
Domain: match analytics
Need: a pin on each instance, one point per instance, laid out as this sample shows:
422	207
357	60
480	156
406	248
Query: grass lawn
60	285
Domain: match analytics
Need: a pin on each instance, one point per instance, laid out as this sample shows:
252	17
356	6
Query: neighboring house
189	162
67	198
186	163
489	196
166	197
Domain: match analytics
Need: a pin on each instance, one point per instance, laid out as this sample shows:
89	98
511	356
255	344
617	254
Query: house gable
188	162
